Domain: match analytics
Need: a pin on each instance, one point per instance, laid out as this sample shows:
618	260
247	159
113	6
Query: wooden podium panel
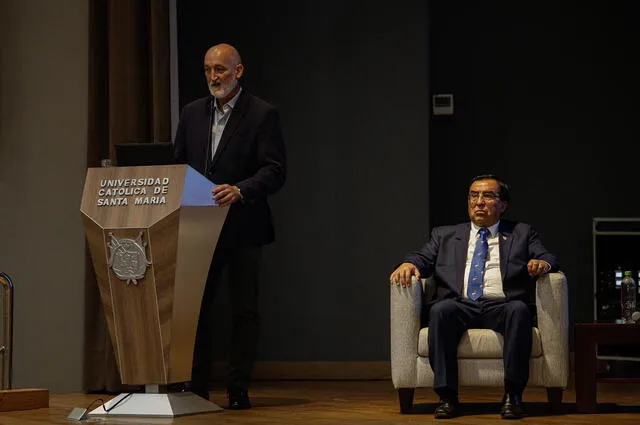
151	232
115	215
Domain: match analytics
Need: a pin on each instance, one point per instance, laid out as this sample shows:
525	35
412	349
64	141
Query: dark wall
350	81
546	97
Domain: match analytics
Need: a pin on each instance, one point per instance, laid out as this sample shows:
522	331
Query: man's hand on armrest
538	267
403	274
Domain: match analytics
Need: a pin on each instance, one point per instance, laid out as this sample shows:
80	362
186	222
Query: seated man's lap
482	314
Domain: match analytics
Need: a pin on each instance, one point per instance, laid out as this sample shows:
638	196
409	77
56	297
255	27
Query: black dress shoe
238	399
448	408
512	407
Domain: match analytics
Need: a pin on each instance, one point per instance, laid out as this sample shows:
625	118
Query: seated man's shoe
512	407
238	399
447	408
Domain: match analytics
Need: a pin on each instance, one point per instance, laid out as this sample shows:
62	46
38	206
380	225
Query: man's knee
518	310
442	310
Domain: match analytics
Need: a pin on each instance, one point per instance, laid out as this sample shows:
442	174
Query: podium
151	233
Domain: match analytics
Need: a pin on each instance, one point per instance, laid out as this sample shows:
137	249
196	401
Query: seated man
483	272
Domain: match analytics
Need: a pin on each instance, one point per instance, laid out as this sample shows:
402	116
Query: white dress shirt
492	287
220	118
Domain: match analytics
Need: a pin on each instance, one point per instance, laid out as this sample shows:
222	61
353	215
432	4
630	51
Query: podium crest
128	258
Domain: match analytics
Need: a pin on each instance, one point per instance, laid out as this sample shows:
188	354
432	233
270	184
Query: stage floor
357	402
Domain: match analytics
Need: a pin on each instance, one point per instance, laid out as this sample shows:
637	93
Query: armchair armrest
553	322
406	306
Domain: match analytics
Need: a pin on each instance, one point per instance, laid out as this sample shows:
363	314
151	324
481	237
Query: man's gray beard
224	92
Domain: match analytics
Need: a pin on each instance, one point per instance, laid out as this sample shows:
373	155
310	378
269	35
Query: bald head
222	68
225	52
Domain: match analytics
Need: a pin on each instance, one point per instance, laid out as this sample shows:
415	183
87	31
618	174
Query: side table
587	338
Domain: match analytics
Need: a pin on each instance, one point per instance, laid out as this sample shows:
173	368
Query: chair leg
405	396
554	395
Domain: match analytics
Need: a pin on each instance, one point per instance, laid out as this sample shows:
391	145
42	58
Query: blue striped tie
476	273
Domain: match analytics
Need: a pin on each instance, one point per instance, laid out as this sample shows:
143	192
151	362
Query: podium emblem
128	258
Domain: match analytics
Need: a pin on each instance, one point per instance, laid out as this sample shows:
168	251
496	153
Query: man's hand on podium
225	194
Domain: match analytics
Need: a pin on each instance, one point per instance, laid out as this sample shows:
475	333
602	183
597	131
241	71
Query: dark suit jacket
444	256
250	155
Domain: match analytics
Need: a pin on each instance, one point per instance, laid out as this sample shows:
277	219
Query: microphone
207	159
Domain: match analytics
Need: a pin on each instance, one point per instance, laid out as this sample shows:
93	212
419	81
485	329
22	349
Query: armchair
480	350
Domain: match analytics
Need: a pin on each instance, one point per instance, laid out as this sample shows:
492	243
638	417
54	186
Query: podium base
155	405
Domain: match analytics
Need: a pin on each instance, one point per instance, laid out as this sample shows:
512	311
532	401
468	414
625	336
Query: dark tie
476	273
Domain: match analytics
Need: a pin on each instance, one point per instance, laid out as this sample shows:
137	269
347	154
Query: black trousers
450	318
243	266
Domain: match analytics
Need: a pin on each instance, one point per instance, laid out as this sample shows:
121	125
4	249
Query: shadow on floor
532	409
271	401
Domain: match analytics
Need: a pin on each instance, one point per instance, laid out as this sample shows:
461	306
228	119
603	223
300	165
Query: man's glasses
487	196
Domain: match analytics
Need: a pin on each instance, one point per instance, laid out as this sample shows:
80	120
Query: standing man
235	140
483	271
